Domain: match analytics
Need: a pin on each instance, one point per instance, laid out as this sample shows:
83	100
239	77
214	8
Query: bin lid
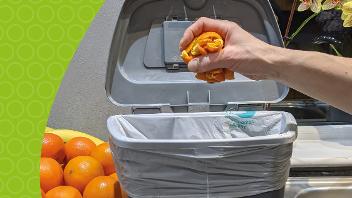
144	67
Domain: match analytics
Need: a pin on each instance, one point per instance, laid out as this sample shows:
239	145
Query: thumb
209	62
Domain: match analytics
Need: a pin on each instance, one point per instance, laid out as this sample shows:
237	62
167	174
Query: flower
347	14
330	4
313	5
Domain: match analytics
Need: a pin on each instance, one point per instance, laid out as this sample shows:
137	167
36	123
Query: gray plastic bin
146	38
224	154
192	154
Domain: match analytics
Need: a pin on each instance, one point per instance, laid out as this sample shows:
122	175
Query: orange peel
208	42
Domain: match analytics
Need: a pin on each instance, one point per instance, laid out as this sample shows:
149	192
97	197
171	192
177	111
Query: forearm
321	76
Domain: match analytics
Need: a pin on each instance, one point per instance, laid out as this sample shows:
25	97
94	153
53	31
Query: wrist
276	59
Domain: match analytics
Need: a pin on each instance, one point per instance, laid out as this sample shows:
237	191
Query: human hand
242	52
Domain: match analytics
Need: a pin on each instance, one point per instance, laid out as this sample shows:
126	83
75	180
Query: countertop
323	146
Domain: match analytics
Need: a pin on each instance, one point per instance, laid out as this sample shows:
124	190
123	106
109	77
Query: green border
37	41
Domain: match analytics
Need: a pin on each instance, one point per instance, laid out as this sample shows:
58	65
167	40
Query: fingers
251	76
187	38
256	76
209	62
203	24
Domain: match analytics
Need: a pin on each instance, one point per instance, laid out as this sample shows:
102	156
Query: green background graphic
37	41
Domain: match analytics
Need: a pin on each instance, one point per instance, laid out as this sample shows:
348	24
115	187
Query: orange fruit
63	192
53	147
78	146
102	153
80	170
114	176
116	179
102	187
42	192
51	174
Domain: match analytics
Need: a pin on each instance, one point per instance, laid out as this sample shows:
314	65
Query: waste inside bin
222	154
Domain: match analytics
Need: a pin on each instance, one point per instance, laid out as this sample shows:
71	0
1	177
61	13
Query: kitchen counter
323	146
318	187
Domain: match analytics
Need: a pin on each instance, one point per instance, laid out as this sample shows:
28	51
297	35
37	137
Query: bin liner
220	154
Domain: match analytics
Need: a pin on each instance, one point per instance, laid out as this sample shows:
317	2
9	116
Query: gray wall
81	102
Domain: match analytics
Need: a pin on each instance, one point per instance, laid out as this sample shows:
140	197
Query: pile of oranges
77	168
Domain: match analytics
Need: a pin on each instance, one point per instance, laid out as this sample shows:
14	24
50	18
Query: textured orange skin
80	170
53	147
51	174
78	146
103	154
229	74
102	187
208	42
63	192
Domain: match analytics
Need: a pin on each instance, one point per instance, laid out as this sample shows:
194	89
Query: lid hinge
145	110
151	110
248	107
176	67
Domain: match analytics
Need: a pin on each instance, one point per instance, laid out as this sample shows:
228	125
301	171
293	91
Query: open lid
144	67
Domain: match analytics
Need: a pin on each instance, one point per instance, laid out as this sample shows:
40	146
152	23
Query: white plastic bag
227	154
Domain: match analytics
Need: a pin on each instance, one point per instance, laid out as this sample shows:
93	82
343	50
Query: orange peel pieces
208	42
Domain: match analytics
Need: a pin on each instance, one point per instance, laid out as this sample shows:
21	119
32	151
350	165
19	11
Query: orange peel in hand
208	42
